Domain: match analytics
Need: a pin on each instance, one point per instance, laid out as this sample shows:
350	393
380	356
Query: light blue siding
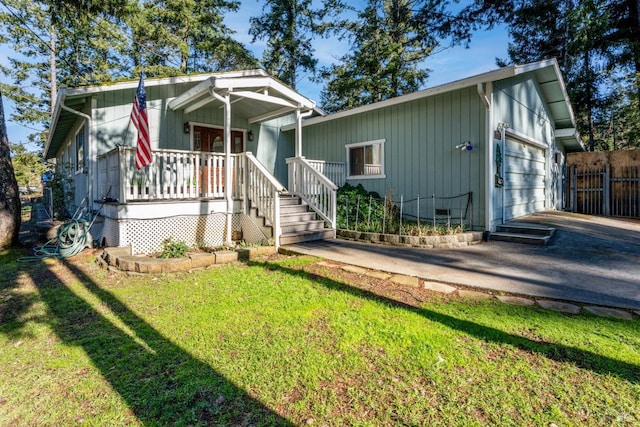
518	101
420	152
166	126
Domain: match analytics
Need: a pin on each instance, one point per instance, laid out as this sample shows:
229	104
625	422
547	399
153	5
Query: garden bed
122	259
447	241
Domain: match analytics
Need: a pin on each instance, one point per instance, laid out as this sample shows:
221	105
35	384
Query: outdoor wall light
250	135
497	134
465	146
187	127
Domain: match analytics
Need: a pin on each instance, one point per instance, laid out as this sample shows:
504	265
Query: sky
446	66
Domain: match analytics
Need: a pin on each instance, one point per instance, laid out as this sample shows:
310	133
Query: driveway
590	260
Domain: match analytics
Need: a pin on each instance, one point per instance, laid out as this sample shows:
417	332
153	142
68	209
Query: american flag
141	122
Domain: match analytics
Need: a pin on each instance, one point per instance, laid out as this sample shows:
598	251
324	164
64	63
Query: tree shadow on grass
161	383
558	352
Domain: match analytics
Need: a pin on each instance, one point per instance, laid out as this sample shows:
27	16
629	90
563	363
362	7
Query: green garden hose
70	240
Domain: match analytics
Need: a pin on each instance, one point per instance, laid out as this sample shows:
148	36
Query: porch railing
263	190
172	174
335	171
313	187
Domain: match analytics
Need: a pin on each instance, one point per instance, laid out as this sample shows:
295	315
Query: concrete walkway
590	260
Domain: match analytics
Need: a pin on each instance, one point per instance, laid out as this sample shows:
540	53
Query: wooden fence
595	190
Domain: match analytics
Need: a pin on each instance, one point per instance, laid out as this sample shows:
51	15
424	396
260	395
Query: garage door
524	179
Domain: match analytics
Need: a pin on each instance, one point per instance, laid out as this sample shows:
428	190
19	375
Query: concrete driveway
590	260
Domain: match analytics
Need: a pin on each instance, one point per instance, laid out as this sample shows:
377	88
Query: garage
524	178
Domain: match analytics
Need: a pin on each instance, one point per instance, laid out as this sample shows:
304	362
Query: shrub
173	249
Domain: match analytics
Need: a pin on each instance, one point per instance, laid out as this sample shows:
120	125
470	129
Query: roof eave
55	116
498	74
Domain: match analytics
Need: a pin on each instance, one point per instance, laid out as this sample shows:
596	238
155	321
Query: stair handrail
263	190
318	191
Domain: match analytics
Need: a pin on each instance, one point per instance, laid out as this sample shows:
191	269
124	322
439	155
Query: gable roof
256	93
547	74
259	97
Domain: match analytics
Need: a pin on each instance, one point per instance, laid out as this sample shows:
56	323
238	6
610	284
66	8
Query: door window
212	140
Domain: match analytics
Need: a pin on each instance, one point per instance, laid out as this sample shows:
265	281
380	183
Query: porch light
187	127
497	134
466	145
250	135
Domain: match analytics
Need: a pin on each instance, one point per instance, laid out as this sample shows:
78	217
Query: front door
212	140
212	170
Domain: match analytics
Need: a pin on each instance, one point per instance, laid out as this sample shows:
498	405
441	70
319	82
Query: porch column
228	180
298	133
299	116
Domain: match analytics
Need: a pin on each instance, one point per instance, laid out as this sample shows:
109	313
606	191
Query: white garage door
524	179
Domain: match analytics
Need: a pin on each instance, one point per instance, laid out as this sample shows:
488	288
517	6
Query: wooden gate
596	191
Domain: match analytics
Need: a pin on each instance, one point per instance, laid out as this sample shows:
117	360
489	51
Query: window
366	159
80	155
212	139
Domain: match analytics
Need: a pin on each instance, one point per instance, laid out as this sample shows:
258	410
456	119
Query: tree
289	27
27	27
176	36
389	45
587	39
28	166
10	210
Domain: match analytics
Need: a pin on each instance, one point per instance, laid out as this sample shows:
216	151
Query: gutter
489	152
89	146
55	115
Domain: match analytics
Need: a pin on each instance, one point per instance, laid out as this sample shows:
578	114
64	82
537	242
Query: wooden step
307	236
289	209
290	200
297	217
301	226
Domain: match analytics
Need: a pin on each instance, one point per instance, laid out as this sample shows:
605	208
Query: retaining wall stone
444	241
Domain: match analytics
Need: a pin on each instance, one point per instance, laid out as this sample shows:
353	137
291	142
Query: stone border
122	259
480	294
447	241
571	308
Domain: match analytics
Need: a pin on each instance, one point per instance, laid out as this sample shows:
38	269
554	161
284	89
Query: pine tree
389	45
289	27
581	35
176	36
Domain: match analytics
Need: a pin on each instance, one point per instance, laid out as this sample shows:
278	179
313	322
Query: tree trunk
9	195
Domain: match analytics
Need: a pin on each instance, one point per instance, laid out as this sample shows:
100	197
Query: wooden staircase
531	234
299	223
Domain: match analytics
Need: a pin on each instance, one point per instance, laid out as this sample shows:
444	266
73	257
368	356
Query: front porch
184	194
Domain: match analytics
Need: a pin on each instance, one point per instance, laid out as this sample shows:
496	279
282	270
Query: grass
289	341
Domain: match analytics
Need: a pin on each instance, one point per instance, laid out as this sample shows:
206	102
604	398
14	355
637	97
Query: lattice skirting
146	235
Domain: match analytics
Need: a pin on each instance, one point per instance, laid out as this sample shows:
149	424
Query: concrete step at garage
531	234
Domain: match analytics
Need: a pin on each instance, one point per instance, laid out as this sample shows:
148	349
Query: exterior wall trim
512	133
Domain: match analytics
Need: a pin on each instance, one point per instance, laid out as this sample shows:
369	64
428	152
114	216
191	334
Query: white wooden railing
313	187
263	190
335	171
172	174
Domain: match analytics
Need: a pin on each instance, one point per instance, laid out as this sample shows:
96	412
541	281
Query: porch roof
254	94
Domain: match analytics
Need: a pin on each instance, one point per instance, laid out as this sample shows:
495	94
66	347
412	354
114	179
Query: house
500	136
240	152
215	156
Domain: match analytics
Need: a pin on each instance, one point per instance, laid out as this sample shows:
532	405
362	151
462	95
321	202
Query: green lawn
286	342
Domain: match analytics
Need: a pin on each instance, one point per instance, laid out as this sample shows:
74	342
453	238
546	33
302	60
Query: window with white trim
365	159
80	151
